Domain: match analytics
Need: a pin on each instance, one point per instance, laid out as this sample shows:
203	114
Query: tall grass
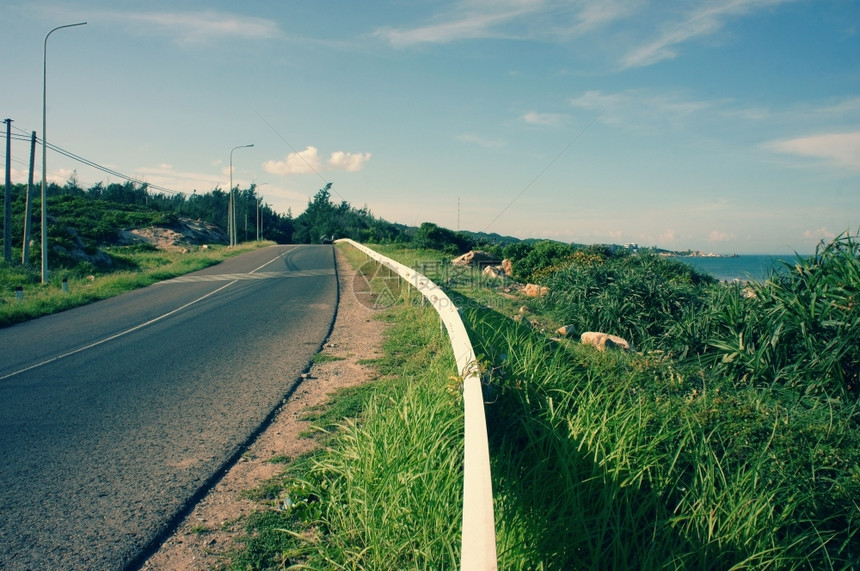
610	460
684	455
801	328
386	493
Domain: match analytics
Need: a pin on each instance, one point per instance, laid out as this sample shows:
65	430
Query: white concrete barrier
479	530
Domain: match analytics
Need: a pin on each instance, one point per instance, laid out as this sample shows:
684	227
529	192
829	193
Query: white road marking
232	278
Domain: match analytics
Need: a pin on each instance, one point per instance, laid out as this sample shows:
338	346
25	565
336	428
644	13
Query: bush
641	297
800	328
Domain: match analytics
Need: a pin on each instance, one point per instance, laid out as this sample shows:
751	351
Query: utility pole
7	213
28	204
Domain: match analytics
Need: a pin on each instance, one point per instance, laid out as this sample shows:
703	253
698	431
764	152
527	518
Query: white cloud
819	234
600	12
306	161
637	108
512	19
704	20
840	149
350	162
667	237
309	161
465	26
546	119
717	236
195	27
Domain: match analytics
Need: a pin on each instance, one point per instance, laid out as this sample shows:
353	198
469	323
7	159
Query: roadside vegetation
385	490
727	439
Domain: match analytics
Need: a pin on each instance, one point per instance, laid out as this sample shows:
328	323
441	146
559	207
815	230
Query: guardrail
479	531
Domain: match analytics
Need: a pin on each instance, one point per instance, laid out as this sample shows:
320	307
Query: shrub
800	328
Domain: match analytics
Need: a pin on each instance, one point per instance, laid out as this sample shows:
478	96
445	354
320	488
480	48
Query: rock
524	309
604	341
534	290
566	331
508	267
176	236
476	258
494	272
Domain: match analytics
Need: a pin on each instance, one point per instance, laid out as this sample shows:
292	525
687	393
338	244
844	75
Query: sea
750	267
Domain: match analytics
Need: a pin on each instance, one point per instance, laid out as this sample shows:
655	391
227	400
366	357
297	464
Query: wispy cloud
545	119
641	108
466	23
480	141
708	18
840	149
676	22
519	19
186	28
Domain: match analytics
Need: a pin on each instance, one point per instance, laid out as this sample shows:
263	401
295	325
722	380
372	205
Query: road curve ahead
114	416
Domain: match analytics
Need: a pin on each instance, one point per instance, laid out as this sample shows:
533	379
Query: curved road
116	416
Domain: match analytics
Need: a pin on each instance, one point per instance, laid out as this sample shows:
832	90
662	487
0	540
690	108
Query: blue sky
718	125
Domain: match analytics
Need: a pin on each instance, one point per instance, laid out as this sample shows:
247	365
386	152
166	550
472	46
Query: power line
97	166
546	168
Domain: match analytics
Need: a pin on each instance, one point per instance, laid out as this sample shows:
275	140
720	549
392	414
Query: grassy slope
615	460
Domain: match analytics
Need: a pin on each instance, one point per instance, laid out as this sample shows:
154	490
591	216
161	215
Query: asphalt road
116	416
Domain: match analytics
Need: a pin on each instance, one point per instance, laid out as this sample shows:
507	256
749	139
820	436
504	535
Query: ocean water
743	268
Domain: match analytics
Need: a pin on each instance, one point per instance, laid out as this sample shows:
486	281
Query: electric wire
546	168
26	137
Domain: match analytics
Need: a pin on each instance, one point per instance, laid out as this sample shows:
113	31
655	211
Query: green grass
386	491
691	454
615	460
143	267
326	358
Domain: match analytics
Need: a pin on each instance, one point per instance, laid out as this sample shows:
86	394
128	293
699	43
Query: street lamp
44	140
231	214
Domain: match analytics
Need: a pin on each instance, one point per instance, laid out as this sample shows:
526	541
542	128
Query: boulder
508	267
494	272
604	341
476	258
566	331
534	290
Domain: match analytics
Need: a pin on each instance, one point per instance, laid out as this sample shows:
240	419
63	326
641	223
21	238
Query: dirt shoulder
210	530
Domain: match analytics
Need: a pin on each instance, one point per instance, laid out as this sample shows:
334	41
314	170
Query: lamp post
44	140
231	214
